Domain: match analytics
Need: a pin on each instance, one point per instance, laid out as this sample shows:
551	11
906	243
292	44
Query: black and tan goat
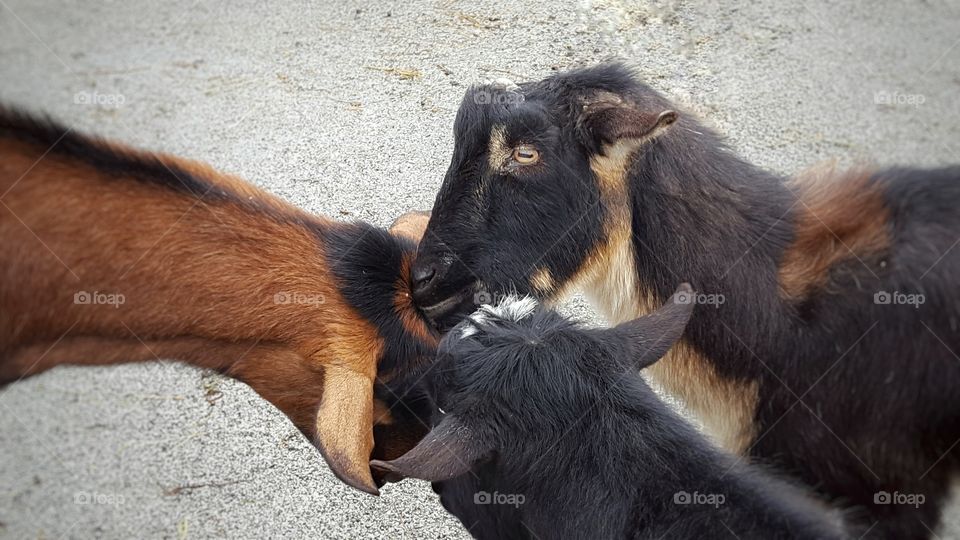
549	432
111	255
830	344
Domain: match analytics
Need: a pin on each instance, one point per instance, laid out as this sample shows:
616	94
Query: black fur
367	262
561	418
879	410
411	408
527	215
104	157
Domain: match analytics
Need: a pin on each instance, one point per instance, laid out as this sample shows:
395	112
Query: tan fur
414	324
542	281
613	283
609	279
725	407
826	234
498	150
411	225
200	281
346	395
608	275
839	217
381	414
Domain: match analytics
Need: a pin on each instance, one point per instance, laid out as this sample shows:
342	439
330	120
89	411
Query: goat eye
526	154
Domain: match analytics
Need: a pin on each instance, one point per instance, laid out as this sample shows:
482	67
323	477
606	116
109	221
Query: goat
829	346
111	255
548	432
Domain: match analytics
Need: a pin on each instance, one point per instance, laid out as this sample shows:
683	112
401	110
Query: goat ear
652	336
448	451
411	225
606	119
344	432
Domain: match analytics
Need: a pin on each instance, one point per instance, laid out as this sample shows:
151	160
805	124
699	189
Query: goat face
535	187
512	378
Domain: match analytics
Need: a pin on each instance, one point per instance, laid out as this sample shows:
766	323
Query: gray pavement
347	107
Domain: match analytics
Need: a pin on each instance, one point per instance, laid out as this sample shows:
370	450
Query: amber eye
526	154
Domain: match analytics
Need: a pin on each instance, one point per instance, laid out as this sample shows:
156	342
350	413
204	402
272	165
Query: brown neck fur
199	276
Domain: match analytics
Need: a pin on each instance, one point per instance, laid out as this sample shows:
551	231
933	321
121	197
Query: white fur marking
502	84
949	526
511	307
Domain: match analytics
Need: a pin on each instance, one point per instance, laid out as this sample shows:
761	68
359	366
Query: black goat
559	437
829	348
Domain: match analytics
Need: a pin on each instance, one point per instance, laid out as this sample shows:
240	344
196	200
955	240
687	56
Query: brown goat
114	255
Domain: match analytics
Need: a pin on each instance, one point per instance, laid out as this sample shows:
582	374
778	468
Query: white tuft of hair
501	84
511	307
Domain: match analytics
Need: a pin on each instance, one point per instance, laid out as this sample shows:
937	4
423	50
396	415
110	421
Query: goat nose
422	275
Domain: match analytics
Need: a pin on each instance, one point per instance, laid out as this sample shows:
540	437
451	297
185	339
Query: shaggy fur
549	432
802	364
194	265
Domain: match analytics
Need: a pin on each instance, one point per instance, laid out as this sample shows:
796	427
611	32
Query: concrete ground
345	109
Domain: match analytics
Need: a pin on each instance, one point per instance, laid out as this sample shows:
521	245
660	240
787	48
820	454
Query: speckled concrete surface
346	108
